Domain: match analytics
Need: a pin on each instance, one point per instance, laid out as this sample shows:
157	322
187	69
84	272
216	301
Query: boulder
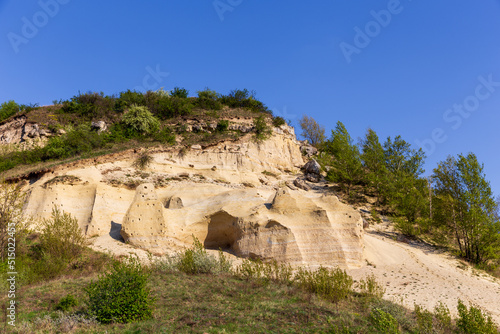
312	167
99	126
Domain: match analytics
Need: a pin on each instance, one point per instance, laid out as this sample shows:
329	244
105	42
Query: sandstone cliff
237	196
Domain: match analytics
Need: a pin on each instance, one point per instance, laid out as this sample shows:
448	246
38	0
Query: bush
370	287
223	125
383	322
332	284
195	260
278	121
8	109
143	160
179	92
129	98
262	131
424	320
165	136
66	303
473	320
140	120
270	271
121	295
61	237
443	317
208	99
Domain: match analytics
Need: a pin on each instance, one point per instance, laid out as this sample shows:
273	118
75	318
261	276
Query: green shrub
473	320
443	317
165	136
262	131
278	121
424	320
66	303
265	271
129	98
222	125
332	284
8	109
121	295
196	260
384	322
208	100
140	120
179	92
370	287
61	237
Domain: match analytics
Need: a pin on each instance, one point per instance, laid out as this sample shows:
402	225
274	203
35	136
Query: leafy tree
312	131
141	120
403	187
346	167
466	207
8	109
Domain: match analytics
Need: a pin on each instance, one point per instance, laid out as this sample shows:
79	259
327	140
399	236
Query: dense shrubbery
8	109
121	295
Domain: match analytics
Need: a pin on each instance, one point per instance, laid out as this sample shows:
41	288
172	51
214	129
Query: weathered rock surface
226	207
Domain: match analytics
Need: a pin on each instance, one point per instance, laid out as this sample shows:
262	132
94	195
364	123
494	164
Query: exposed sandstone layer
217	194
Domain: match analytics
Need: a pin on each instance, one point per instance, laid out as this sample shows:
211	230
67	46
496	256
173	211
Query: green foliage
442	317
140	120
12	220
466	208
61	237
143	160
345	163
473	320
332	284
222	125
370	287
265	271
384	322
374	162
278	121
196	260
179	92
129	98
66	303
424	320
208	100
312	131
243	98
121	295
165	136
8	109
262	130
89	105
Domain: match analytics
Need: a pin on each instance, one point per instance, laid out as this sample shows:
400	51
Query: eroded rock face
144	224
218	195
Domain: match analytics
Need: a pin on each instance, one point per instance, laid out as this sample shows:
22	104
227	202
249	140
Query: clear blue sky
400	67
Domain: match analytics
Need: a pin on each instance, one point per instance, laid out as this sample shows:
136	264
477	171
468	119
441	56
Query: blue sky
427	70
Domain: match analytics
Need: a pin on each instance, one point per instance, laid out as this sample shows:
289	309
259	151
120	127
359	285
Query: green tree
8	109
312	131
463	191
405	190
346	167
372	156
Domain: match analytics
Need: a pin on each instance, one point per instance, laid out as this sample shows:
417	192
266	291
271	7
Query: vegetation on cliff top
150	118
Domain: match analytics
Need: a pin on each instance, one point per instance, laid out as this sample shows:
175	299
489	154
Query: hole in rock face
223	231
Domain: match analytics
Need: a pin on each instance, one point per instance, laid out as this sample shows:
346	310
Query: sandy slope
415	273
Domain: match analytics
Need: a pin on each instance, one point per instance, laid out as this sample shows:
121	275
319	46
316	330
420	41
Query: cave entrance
223	231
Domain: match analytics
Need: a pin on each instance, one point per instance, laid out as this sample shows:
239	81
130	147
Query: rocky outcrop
19	130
